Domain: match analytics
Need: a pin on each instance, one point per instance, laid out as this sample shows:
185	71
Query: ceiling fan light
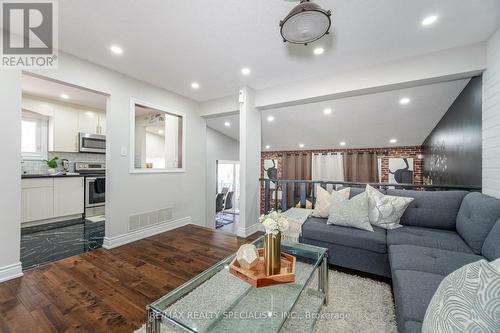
306	23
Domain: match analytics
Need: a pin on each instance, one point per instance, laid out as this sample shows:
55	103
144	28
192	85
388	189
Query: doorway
228	195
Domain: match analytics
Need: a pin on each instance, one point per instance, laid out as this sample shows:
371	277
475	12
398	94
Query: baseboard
11	272
112	242
248	231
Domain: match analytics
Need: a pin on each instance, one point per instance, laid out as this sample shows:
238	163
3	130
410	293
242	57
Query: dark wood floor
108	290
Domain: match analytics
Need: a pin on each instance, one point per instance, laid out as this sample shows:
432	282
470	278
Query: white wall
126	193
491	118
219	147
10	174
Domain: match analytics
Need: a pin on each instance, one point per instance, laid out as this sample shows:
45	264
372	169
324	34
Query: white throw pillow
467	300
385	211
324	200
350	213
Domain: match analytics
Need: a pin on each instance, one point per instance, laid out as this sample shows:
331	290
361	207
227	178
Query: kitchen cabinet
51	198
63	130
68	196
92	122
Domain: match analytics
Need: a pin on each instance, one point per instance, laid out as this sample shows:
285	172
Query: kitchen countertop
50	176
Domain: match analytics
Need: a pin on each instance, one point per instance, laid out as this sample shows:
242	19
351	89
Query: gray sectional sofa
442	231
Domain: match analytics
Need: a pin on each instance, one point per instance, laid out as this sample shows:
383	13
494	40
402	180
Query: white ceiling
52	90
361	121
233	131
173	43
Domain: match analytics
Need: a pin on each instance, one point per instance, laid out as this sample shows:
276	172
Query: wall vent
148	219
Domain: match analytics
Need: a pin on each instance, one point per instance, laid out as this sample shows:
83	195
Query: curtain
328	167
361	167
297	166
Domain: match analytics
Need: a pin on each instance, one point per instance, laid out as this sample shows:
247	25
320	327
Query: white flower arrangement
274	222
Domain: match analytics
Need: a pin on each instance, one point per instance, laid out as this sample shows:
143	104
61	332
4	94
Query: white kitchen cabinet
51	198
91	122
102	123
37	199
63	129
68	196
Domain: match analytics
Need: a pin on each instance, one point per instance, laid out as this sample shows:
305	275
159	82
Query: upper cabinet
92	122
63	131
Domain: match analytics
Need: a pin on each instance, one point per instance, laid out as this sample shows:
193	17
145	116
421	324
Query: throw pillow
324	200
350	213
385	211
467	300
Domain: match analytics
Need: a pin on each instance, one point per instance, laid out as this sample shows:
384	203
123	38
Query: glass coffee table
217	301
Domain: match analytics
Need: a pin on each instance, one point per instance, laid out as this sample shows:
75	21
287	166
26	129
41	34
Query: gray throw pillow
467	300
350	213
385	211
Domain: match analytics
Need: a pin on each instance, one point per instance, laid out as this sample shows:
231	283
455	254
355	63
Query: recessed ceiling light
342	143
270	118
404	100
116	49
64	96
301	145
227	124
160	132
393	140
195	85
318	51
268	147
327	111
245	71
429	20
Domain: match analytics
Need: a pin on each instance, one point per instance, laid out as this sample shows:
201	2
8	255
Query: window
157	139
33	136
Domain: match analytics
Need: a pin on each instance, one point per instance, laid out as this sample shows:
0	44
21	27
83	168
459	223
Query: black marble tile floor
47	243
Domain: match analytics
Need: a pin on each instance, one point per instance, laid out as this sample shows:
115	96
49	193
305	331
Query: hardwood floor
108	290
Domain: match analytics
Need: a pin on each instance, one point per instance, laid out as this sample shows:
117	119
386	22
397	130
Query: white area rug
356	305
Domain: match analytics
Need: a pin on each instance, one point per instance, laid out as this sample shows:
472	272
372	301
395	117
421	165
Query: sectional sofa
442	231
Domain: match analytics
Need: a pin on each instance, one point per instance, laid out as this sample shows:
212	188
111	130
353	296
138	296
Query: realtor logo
29	34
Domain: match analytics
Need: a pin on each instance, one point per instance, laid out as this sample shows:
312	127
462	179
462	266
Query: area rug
356	304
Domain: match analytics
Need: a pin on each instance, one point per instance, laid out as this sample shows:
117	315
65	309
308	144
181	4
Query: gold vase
272	253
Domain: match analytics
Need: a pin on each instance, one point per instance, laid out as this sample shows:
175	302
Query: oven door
93	199
92	143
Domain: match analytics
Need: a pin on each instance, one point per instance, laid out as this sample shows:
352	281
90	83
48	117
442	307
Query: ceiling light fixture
393	140
227	124
301	145
318	51
161	132
245	71
342	143
64	96
195	85
404	100
327	111
268	147
429	20
116	49
306	23
270	118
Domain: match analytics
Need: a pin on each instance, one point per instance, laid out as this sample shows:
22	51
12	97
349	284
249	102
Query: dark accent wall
453	150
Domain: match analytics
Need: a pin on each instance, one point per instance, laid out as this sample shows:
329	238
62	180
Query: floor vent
144	220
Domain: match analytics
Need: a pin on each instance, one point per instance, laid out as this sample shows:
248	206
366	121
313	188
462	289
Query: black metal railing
301	191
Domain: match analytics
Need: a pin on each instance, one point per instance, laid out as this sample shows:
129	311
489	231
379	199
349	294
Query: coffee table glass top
217	301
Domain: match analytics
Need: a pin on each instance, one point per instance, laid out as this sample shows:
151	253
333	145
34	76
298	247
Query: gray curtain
361	167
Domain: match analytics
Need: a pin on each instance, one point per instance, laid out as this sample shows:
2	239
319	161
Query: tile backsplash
40	167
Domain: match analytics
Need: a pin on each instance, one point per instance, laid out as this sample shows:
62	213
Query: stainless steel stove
95	201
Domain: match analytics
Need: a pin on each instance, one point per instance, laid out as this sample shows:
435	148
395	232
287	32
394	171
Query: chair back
219	202
228	203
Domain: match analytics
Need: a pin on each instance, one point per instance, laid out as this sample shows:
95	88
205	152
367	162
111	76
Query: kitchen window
34	136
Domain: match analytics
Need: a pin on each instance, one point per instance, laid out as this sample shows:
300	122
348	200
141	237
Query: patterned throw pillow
385	211
467	300
324	200
350	213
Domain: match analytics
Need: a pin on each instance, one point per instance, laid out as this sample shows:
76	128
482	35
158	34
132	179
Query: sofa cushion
427	237
316	228
491	246
477	215
431	209
426	259
413	291
413	326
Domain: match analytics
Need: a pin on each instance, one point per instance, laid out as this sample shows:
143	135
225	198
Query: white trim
245	232
11	272
112	242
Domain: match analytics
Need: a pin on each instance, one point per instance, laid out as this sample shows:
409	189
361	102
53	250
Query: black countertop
27	176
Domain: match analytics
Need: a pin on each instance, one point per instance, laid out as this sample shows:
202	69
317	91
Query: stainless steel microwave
92	143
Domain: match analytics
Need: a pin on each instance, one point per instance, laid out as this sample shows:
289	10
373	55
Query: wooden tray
257	277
